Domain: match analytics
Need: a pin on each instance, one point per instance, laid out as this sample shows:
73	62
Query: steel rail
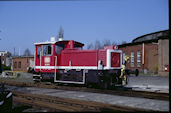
67	104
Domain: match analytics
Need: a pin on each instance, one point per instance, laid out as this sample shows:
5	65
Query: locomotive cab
48	55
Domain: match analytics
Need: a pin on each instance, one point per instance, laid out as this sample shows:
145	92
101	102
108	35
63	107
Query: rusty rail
67	104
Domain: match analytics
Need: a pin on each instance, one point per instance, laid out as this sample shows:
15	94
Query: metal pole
55	68
40	59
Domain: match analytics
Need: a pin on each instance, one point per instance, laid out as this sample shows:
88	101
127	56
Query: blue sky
22	23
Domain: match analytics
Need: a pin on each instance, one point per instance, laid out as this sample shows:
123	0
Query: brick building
22	63
148	53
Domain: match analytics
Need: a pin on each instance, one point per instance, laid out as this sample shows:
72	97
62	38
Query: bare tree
123	42
98	45
90	46
14	51
106	43
114	43
27	52
9	54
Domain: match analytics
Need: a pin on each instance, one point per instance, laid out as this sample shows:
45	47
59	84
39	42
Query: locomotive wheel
126	81
111	83
136	72
115	80
107	81
105	85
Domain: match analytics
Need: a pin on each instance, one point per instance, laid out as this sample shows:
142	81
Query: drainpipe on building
143	56
40	59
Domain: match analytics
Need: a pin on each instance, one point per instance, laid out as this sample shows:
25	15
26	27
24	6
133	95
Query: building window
15	64
138	59
132	59
19	64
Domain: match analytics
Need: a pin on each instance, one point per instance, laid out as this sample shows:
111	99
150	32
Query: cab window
38	52
47	50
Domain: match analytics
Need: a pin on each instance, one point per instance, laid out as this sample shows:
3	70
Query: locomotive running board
83	81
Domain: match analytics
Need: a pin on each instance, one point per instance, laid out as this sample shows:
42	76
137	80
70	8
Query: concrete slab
150	88
149	83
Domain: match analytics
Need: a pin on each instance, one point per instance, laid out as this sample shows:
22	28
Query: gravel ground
142	82
149	83
149	80
22	77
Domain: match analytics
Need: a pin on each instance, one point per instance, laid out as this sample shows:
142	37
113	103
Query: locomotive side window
38	52
47	50
58	49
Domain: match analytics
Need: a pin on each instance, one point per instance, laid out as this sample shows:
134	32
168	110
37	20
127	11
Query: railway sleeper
124	92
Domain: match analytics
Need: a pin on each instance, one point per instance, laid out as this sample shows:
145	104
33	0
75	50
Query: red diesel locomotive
65	62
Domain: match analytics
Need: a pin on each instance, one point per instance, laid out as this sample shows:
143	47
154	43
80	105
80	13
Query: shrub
4	67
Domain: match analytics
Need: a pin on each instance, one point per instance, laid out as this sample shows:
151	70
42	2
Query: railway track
124	92
66	104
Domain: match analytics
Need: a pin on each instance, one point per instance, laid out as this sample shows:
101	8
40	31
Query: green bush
18	74
4	67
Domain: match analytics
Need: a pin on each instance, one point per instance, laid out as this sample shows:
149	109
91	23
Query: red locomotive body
66	62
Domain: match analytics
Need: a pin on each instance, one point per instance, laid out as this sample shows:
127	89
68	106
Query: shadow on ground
20	108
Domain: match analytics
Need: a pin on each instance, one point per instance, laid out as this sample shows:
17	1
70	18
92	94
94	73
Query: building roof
23	57
148	38
152	36
3	51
